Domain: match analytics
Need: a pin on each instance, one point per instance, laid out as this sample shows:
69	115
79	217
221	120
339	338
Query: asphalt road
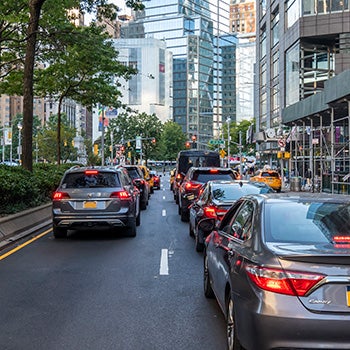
105	291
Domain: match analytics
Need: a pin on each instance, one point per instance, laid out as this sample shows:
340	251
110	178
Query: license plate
190	197
90	205
348	296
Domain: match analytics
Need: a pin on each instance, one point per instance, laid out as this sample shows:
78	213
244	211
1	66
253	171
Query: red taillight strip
60	195
192	186
209	212
282	282
91	172
121	195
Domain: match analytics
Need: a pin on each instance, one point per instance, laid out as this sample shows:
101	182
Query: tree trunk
27	154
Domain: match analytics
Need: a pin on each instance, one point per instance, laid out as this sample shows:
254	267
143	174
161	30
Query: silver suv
90	197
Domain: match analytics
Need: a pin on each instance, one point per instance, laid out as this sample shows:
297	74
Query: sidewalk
16	226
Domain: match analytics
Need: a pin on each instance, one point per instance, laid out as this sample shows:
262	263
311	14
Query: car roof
79	169
300	197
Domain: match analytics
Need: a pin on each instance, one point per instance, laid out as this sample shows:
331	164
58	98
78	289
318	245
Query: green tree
21	29
47	140
172	141
84	71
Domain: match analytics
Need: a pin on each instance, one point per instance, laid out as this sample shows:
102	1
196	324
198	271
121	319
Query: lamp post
19	151
228	121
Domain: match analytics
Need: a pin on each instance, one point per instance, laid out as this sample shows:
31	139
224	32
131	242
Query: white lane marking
164	270
164	212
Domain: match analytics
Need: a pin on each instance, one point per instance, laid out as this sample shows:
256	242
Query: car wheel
184	216
208	291
59	232
131	230
176	199
232	340
198	245
143	205
190	231
138	219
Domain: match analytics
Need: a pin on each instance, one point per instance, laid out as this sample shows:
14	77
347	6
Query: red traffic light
122	148
194	137
154	140
188	144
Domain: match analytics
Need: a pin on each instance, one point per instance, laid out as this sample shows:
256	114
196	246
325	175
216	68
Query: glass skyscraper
196	32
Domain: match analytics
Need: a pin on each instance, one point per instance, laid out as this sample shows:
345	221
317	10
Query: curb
16	226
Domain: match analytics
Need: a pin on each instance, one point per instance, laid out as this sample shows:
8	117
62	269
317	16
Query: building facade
302	46
196	33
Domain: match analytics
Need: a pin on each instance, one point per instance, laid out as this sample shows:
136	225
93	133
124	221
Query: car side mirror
207	225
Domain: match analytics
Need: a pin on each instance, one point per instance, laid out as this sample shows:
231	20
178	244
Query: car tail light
91	172
192	186
60	195
121	195
213	171
282	282
341	239
178	177
210	212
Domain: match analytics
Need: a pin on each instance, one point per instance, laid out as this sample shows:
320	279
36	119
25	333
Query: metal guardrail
16	226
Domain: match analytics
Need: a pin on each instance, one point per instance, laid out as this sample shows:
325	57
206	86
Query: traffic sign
216	142
281	142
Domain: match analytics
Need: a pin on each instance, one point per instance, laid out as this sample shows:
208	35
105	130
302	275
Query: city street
105	291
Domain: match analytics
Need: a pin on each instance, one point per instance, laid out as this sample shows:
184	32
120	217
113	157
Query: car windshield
269	174
82	180
307	222
205	177
234	192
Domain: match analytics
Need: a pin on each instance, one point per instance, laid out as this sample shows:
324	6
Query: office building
196	32
303	55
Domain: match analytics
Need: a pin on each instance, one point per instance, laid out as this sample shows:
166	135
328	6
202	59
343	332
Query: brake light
178	177
191	186
213	171
341	239
91	172
60	195
210	212
282	282
121	195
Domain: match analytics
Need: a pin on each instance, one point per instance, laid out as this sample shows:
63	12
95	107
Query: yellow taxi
147	176
268	176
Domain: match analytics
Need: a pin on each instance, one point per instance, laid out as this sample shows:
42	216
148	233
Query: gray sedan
279	267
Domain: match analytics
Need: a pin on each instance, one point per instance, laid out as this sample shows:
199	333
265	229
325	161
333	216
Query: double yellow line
14	250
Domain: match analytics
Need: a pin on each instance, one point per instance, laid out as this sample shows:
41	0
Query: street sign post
216	142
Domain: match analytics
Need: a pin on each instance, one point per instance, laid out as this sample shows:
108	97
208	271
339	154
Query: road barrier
16	226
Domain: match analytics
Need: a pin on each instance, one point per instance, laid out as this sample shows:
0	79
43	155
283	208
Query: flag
102	117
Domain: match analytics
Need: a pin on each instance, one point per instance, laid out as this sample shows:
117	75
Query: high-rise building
303	49
242	16
196	32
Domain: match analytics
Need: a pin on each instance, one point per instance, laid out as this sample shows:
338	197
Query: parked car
279	267
215	199
90	197
156	179
193	181
147	176
270	177
139	181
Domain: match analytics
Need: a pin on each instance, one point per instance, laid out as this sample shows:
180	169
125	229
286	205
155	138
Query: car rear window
133	173
234	192
82	180
208	176
302	222
267	174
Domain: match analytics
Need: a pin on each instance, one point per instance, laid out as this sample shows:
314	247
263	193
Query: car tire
190	230
184	215
138	219
143	205
231	334
176	198
131	230
208	291
59	232
198	245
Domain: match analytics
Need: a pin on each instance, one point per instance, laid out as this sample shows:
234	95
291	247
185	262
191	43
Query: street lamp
19	151
228	121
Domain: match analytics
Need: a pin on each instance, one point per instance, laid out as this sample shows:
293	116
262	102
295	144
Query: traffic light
154	140
95	149
122	148
188	144
194	138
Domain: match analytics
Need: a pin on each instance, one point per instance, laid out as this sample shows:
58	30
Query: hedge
21	189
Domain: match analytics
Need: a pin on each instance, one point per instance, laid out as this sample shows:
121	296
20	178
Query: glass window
275	28
263	43
309	7
322	6
82	180
242	224
292	75
292	12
